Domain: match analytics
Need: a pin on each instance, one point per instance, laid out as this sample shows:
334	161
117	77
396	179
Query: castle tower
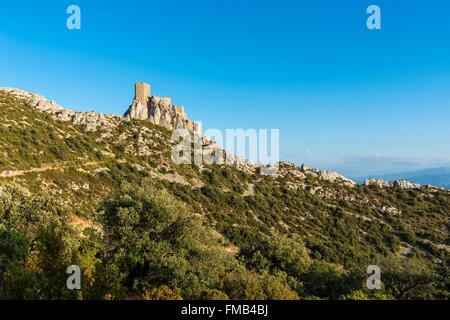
142	92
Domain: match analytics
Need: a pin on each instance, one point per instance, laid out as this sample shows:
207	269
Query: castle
142	91
158	110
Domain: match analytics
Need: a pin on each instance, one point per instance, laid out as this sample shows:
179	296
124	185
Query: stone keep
142	92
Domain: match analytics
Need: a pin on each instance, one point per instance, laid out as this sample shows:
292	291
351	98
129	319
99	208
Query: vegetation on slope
140	227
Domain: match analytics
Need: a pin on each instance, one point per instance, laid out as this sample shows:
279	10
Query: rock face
377	182
158	110
404	184
327	175
290	169
400	184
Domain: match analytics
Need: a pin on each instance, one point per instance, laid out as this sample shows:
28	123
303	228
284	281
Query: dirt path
250	190
48	167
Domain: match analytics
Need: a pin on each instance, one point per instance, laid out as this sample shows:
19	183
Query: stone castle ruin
158	110
142	92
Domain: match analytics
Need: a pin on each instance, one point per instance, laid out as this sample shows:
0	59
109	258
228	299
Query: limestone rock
335	177
289	169
137	110
327	175
404	184
400	184
242	163
159	111
377	182
298	174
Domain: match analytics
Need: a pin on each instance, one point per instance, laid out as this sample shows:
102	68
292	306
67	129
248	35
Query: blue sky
344	98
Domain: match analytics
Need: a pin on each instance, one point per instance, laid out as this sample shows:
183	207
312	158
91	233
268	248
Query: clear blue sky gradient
344	98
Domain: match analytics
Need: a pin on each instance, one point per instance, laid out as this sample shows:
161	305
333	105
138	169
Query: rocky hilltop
300	232
157	110
92	120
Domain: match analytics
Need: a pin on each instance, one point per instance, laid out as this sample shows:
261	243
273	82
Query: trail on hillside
47	167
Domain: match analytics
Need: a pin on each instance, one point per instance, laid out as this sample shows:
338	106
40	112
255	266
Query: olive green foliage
156	241
154	230
36	247
413	279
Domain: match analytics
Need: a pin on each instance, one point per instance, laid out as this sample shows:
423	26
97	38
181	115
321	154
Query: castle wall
180	109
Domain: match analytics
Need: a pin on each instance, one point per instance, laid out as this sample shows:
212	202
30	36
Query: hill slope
301	233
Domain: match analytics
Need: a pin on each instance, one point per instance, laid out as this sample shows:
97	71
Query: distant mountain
439	177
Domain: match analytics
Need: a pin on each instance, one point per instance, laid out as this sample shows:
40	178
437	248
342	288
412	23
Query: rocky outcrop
400	184
405	184
328	176
242	163
289	169
162	112
377	182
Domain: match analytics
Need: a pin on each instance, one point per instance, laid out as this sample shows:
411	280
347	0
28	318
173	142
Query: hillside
107	188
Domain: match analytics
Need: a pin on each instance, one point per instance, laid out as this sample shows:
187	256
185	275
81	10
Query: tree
162	293
156	241
407	278
54	256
